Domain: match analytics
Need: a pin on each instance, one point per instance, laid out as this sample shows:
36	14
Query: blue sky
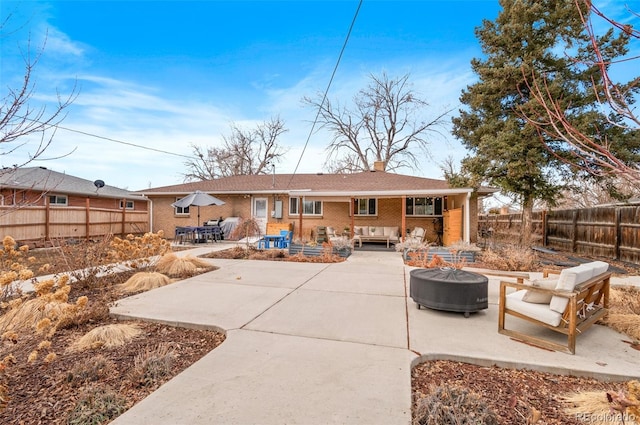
167	74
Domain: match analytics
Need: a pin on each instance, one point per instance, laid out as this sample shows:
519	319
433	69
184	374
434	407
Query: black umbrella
197	198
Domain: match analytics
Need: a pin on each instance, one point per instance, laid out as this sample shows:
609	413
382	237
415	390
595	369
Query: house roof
45	180
379	183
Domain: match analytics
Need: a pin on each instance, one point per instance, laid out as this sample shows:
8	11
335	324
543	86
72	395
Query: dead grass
144	281
108	336
172	265
595	407
624	312
511	258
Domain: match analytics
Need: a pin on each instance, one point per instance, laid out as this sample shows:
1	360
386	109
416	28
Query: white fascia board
381	194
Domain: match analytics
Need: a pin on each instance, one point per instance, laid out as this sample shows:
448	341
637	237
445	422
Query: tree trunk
527	225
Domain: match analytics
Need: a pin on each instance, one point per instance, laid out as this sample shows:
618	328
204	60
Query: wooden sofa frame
593	292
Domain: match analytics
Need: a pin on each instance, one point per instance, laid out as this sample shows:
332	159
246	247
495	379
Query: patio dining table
276	239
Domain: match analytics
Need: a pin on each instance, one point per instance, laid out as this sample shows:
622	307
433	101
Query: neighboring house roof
379	183
42	179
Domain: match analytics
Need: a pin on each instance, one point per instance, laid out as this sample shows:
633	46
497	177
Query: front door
452	226
259	213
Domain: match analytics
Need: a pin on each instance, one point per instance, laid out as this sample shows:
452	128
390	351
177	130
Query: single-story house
342	201
41	204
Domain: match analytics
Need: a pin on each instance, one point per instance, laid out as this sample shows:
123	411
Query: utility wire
111	140
326	92
123	143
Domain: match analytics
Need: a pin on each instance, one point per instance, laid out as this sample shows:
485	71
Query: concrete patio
311	343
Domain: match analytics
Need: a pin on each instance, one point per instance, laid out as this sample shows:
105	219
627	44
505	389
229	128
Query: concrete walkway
329	343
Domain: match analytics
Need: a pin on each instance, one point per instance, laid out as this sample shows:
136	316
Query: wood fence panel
629	234
608	232
30	223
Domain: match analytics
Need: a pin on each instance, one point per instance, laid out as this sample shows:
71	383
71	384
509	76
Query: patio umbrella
197	198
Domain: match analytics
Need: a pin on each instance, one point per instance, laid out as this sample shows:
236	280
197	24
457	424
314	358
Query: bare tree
382	125
596	152
19	118
244	152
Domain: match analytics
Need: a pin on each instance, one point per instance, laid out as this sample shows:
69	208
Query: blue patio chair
286	240
182	234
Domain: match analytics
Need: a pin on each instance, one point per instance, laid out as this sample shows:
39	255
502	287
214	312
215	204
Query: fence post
47	218
618	233
124	218
544	228
574	236
87	219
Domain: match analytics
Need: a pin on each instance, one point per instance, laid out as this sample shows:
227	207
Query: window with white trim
308	207
58	200
365	206
423	206
129	205
181	210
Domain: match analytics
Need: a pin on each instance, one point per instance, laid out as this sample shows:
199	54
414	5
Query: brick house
38	204
378	198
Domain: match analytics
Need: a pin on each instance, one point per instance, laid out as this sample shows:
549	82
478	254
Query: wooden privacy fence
41	223
610	232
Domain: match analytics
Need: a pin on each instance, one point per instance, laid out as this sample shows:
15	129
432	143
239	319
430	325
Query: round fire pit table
449	289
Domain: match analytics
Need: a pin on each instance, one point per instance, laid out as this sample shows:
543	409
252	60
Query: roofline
334	193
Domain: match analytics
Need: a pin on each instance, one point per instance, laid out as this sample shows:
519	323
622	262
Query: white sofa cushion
567	281
361	230
540	312
391	231
376	231
540	297
599	267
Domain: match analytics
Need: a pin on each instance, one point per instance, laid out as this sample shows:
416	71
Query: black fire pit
449	289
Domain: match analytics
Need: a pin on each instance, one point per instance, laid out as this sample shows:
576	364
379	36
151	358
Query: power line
122	142
326	91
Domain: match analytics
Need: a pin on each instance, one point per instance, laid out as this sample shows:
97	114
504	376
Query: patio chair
284	242
416	235
182	234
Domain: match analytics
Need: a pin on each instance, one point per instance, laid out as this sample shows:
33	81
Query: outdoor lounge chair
569	304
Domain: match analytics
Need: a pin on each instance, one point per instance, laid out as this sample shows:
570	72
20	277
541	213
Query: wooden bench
578	300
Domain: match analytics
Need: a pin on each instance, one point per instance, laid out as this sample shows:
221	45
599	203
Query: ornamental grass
107	336
172	265
144	281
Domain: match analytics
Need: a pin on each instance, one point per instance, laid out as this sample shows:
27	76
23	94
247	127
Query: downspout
150	212
467	218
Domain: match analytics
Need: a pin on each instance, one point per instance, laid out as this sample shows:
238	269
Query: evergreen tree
528	39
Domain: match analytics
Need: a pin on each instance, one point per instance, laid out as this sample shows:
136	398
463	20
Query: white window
129	205
308	207
58	200
424	206
181	210
365	206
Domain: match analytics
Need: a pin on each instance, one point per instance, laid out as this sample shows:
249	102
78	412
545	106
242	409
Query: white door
259	213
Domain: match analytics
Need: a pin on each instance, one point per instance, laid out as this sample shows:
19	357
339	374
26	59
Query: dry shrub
446	405
44	313
139	251
594	407
152	366
107	336
90	370
172	265
144	281
97	405
510	258
14	267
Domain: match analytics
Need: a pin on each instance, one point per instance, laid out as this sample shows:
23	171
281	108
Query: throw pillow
540	297
357	230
